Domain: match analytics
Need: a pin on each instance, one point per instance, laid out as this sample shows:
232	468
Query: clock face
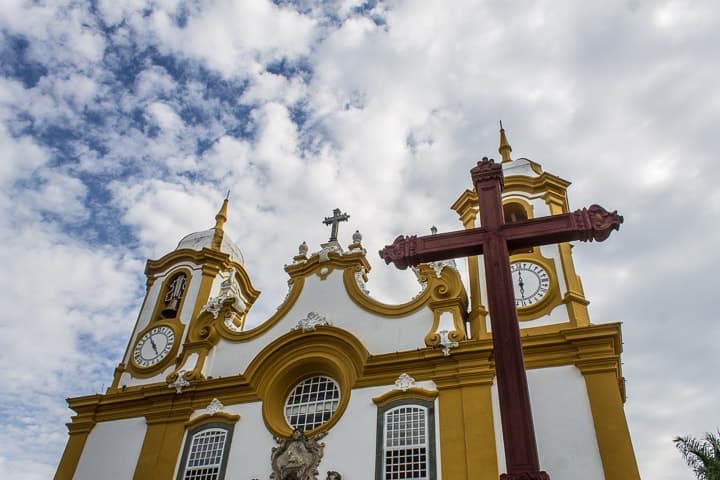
154	346
531	283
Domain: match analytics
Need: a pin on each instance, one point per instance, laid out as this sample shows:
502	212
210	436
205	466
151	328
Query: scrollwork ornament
312	321
404	382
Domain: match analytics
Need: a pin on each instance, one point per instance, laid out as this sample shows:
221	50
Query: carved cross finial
335	221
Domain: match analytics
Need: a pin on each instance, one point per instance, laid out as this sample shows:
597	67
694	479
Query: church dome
204	239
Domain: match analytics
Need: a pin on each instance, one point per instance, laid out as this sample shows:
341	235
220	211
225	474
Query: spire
505	147
220	220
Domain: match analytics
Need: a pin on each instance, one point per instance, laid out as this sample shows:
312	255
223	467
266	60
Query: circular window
312	402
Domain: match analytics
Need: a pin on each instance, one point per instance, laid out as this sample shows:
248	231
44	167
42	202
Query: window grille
406	441
205	455
312	402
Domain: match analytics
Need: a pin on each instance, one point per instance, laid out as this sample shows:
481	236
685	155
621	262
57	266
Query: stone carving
360	280
333	475
441	264
445	344
310	322
404	382
297	457
179	382
303	249
356	238
214	407
332	246
229	295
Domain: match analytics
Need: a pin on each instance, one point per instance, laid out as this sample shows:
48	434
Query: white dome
200	240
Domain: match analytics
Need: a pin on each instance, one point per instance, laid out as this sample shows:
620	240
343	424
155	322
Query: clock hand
152	344
521	284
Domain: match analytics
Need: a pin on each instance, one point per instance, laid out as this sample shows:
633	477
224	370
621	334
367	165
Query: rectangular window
407	442
205	453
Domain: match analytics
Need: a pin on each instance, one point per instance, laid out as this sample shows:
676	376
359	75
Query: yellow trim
215	417
611	430
409	394
79	430
314	265
162	444
168	277
463	384
298	355
371	305
467	431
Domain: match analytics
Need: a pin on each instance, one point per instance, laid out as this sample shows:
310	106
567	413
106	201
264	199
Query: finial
220	220
505	147
357	236
433	230
303	249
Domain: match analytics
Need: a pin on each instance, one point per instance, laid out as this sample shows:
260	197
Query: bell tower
204	274
548	292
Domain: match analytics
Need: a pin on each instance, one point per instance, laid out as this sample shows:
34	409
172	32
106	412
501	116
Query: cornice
330	350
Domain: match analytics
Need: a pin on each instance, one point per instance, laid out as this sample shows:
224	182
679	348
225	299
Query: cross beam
494	240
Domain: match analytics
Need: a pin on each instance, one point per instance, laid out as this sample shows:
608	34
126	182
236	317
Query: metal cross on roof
335	221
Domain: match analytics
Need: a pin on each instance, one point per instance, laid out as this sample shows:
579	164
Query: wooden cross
335	221
494	239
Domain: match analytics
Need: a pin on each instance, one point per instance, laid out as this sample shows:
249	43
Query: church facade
337	385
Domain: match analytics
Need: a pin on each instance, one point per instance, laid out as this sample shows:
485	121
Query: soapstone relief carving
230	294
214	407
179	383
404	382
441	264
310	322
297	457
360	280
445	344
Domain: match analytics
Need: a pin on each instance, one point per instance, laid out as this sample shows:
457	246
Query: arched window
514	212
173	295
406	440
205	454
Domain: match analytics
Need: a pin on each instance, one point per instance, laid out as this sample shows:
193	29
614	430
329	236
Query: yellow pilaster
161	446
467	209
467	432
79	431
613	436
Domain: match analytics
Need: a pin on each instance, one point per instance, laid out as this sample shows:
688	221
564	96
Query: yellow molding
215	417
410	393
337	353
371	305
298	355
314	265
205	257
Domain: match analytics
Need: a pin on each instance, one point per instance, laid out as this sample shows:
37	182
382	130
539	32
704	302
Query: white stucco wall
112	450
349	446
564	427
328	298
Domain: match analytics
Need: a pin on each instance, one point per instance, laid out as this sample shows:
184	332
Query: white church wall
112	450
328	298
563	422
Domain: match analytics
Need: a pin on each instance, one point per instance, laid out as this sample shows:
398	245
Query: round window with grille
312	402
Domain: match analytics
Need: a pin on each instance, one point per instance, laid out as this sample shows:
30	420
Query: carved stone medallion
297	457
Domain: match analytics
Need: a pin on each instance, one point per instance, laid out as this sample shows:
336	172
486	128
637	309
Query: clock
531	283
153	346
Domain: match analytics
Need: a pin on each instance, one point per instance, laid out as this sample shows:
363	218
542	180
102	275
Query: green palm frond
703	456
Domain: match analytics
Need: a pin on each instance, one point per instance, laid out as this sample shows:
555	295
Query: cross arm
585	225
408	251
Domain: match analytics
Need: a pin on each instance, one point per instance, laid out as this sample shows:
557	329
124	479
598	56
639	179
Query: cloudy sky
124	123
